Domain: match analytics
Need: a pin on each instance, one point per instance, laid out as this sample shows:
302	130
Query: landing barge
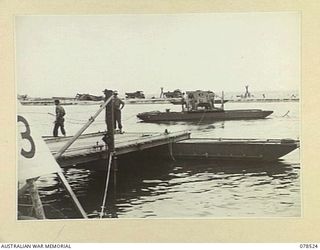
234	149
204	115
200	106
178	145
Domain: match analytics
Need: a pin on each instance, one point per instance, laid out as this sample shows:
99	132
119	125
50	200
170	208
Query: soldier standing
59	122
118	105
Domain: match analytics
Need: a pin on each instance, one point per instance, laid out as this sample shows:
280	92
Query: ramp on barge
91	147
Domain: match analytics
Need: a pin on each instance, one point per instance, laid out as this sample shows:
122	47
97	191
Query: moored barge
234	149
204	115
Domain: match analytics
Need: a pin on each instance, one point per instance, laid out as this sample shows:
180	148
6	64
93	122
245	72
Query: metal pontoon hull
234	149
204	115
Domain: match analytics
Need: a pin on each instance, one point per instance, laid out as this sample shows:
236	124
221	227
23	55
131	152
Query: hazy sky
66	55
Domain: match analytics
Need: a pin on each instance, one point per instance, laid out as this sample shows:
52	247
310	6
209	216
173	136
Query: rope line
76	121
171	150
286	114
201	117
106	186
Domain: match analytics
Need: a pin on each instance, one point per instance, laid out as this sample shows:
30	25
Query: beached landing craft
135	95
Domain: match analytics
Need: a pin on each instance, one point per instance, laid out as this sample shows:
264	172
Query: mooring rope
106	186
128	118
79	121
201	117
286	114
171	150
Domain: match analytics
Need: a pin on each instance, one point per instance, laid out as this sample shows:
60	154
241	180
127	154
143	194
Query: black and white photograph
158	116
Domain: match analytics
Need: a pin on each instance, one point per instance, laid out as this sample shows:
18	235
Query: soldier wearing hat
59	122
118	105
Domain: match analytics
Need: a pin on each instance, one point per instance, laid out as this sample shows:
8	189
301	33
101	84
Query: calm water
177	189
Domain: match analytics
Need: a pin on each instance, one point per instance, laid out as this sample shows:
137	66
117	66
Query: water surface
181	189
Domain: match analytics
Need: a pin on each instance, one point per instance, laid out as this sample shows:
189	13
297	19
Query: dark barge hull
91	148
204	115
234	149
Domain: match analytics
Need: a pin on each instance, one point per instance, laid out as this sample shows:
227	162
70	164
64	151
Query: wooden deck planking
90	147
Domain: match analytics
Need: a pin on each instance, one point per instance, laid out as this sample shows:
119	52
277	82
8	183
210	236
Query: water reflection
183	189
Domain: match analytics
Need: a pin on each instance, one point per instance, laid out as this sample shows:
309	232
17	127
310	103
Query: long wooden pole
76	136
109	119
63	150
109	140
106	185
36	201
72	194
66	146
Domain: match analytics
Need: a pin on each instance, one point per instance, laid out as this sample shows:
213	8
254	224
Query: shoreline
46	102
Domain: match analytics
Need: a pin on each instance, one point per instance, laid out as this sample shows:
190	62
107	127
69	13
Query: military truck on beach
135	95
174	94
